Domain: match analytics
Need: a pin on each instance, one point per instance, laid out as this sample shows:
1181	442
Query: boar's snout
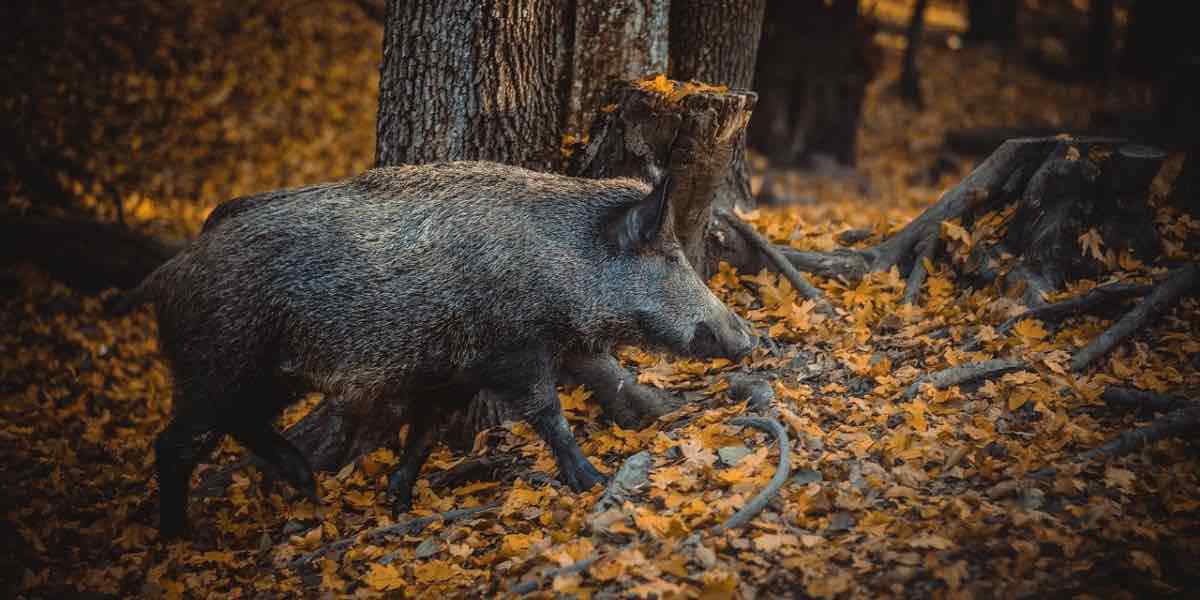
728	337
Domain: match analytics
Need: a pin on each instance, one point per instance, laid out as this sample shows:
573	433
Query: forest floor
931	496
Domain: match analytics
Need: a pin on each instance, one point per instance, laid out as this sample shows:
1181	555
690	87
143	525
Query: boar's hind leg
281	455
177	451
422	433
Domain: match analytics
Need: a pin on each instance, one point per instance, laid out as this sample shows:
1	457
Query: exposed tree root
1181	281
483	468
799	283
759	501
1183	421
635	471
404	527
916	278
1172	424
844	264
962	374
1140	400
1060	310
1035	288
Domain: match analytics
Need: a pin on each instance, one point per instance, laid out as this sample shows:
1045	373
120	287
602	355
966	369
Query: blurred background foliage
170	106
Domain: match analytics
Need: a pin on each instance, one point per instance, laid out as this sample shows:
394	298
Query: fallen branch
758	502
401	528
844	264
962	374
799	283
1060	310
1181	281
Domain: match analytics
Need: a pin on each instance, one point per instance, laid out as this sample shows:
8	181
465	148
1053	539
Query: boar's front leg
527	380
422	434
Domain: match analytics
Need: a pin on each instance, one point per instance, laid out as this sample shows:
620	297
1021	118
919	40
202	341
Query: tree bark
992	21
621	40
716	41
474	80
910	76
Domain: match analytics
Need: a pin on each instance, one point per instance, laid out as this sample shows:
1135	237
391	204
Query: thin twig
1181	281
756	504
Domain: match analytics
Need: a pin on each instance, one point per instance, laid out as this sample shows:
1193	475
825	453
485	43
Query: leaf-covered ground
928	497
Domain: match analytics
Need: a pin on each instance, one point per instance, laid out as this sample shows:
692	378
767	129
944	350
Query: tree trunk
992	21
621	40
474	80
910	76
810	108
716	42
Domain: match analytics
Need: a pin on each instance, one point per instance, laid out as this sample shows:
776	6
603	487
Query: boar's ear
640	225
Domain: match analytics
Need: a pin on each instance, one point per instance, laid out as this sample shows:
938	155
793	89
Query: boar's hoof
400	488
583	477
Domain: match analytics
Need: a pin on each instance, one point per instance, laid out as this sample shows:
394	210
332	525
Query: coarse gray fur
423	284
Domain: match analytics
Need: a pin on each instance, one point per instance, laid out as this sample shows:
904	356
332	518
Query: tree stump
686	131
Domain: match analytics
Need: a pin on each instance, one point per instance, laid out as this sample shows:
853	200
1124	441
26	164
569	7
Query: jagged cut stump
686	131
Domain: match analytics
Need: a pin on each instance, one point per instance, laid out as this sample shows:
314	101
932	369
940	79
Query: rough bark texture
614	40
477	79
716	41
810	106
992	21
1064	191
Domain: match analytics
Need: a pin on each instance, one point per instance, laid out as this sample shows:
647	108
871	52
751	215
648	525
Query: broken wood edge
631	475
1181	281
782	471
799	283
962	374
